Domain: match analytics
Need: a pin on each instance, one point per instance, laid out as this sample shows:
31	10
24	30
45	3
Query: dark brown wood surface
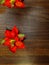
33	21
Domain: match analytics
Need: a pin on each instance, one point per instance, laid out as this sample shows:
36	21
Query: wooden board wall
33	21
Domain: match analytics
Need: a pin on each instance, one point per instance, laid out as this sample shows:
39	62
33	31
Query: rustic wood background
33	21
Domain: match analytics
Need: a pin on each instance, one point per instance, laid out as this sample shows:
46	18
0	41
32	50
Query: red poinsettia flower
7	3
13	39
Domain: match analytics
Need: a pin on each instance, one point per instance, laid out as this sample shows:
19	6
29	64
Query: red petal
16	38
7	43
20	44
7	3
19	4
6	38
12	34
13	49
22	6
7	33
15	30
16	0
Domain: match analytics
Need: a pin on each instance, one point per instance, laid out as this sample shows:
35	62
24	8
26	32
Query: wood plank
33	21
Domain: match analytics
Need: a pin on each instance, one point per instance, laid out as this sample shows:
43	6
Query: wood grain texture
33	21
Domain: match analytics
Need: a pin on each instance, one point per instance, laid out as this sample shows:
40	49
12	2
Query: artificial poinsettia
13	3
13	39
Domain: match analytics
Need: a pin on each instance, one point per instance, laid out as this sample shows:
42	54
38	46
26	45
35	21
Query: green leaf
21	35
2	41
2	1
